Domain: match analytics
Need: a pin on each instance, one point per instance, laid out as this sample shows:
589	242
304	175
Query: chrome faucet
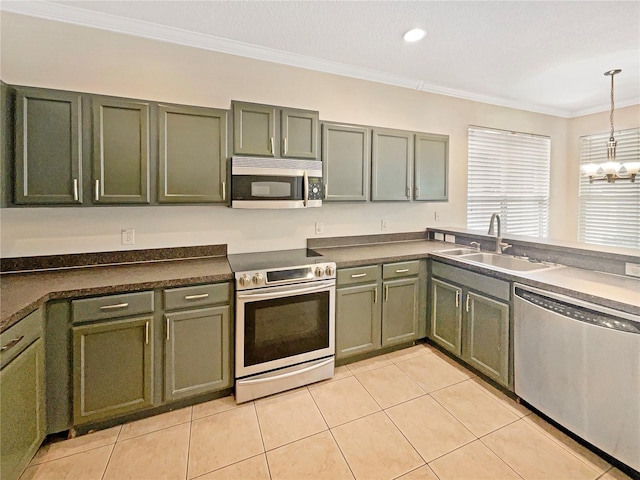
500	245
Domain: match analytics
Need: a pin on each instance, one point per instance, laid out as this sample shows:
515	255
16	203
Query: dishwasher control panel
581	314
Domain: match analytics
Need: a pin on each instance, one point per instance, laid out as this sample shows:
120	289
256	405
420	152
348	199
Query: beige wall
55	55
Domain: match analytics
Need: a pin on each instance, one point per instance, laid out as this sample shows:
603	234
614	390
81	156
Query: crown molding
103	21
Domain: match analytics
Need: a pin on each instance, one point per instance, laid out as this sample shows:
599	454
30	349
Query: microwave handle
306	188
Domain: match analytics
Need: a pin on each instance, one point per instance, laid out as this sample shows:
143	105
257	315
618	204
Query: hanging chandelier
611	170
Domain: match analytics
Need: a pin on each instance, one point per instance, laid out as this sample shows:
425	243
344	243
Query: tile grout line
106	466
498	455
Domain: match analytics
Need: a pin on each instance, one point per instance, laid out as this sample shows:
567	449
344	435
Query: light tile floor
412	414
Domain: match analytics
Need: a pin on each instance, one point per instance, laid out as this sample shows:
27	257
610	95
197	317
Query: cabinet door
254	129
431	167
7	122
487	336
112	368
22	421
197	352
357	320
120	151
299	132
48	150
193	154
392	157
399	311
446	315
345	162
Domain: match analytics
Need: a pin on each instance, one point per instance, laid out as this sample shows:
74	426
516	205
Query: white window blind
609	214
508	173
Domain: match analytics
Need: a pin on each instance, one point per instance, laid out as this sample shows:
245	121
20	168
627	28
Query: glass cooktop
242	262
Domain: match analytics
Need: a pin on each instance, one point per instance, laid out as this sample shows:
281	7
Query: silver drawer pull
196	297
358	275
402	270
114	307
75	190
11	344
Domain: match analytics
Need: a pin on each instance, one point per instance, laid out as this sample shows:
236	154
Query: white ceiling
543	56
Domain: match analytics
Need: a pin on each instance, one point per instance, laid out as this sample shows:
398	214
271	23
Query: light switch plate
128	236
632	269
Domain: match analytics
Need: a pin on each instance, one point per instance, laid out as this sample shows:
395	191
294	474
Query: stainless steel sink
504	262
457	251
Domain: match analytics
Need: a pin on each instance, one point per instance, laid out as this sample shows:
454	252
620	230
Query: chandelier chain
612	107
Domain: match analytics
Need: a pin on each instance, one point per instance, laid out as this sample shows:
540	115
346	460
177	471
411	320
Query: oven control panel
286	276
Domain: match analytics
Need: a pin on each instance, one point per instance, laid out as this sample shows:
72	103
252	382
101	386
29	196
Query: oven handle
289	374
286	292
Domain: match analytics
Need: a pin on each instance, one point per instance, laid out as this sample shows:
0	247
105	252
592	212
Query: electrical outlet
384	225
436	216
128	236
319	228
632	269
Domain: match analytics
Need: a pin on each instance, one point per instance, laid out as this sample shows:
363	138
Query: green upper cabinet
269	131
299	132
48	147
345	162
193	154
431	167
7	118
121	139
254	129
391	165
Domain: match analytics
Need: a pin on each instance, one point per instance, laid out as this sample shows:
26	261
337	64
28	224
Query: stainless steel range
285	321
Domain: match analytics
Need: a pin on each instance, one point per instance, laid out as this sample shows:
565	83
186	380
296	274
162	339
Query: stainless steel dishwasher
579	364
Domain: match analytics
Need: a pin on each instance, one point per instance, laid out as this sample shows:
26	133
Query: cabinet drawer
196	296
351	276
111	306
475	281
401	269
15	339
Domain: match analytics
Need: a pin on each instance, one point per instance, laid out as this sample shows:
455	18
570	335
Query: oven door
282	326
268	191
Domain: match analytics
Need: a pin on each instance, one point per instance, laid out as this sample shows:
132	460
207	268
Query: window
609	214
508	173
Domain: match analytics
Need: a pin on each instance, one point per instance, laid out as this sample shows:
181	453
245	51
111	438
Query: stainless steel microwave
275	183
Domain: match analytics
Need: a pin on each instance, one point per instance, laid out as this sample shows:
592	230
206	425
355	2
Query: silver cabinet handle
146	332
358	275
457	298
417	190
224	191
402	270
408	192
324	194
305	177
386	293
284	146
168	337
271	144
375	295
97	192
467	302
76	196
114	307
200	296
11	344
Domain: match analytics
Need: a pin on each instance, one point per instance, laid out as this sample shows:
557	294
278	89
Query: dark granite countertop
22	293
613	291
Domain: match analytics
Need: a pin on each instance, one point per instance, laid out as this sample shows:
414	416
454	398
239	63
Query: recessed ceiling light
414	35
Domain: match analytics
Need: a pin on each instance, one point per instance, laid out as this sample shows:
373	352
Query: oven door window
252	187
284	327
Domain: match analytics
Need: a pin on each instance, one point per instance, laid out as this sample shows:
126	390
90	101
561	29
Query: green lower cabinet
446	315
112	368
357	320
400	311
197	352
487	336
22	410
